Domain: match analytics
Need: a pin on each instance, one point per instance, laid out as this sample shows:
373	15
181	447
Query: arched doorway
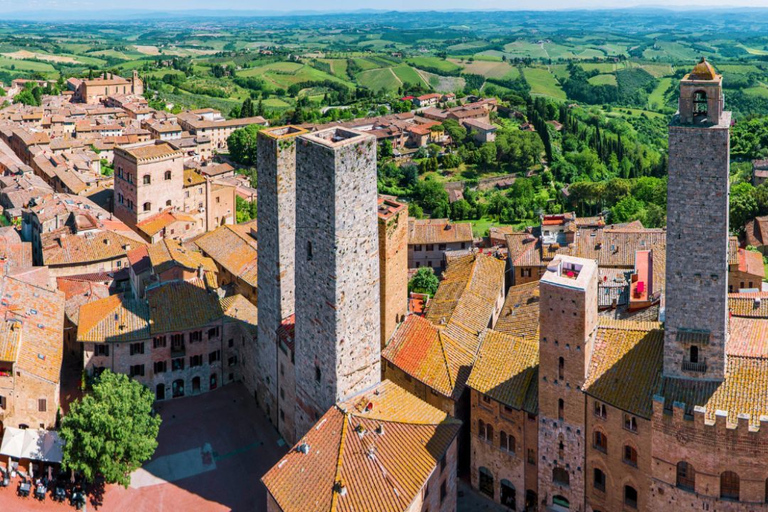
160	392
213	381
486	482
508	495
178	388
560	503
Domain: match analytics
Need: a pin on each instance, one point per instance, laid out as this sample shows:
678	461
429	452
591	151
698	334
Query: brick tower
393	262
696	310
277	233
337	271
568	319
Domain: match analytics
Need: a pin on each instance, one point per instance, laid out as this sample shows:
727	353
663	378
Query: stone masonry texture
338	348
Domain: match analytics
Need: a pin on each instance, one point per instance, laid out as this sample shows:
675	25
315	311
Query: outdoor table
59	494
24	488
40	491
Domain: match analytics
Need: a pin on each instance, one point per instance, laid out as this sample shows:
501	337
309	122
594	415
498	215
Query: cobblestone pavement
471	501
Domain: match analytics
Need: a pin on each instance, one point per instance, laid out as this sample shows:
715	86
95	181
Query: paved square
213	449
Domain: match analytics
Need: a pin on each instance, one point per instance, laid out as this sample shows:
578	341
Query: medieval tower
696	310
568	319
337	271
277	233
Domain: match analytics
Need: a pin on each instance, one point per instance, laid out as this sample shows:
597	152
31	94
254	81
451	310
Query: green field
656	99
603	80
379	79
543	83
433	63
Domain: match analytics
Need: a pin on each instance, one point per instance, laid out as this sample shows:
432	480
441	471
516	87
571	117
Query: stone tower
568	319
277	233
337	271
696	295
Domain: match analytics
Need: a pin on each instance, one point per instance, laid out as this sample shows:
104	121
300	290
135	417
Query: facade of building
393	263
97	90
430	239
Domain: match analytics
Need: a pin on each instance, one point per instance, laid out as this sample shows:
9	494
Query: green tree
111	431
26	97
424	281
247	109
242	144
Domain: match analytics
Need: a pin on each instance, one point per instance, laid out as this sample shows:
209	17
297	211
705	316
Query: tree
242	144
424	281
111	431
247	109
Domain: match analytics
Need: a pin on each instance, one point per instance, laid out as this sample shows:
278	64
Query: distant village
578	364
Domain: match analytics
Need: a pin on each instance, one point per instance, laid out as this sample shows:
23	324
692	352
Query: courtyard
213	449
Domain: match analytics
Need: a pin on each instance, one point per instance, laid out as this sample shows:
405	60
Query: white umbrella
50	473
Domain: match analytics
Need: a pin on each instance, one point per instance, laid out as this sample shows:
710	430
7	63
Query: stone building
430	239
31	352
393	263
97	90
181	340
746	271
338	341
148	179
381	449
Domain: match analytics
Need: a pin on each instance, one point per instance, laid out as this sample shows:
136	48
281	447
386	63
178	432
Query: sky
351	5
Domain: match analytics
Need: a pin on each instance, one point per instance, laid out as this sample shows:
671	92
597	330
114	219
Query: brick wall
393	262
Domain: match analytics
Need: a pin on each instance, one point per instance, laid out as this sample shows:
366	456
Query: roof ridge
344	426
445	359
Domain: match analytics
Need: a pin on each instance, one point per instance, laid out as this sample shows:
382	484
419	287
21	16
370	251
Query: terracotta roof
751	262
754	304
381	446
506	370
438	231
625	369
520	314
156	223
77	293
756	231
182	305
63	248
468	293
150	151
192	178
234	249
113	319
702	71
165	254
239	310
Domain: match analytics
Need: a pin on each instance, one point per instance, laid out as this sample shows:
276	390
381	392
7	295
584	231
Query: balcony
700	367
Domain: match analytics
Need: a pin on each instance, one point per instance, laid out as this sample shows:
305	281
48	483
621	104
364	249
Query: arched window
560	408
686	476
694	354
167	175
486	482
508	494
599	479
168	203
700	103
147	179
600	441
196	384
729	485
560	368
560	476
630	496
630	455
561	501
147	206
488	432
506	442
481	429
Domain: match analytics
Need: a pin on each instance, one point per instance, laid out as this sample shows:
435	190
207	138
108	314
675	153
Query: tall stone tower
696	310
568	319
337	329
277	234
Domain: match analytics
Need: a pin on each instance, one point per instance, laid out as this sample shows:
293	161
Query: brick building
430	239
393	262
97	90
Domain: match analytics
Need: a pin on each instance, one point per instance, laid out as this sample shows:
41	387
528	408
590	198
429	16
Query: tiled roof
468	293
156	223
113	319
756	231
182	305
166	253
238	309
625	368
192	178
77	293
234	249
438	231
286	333
520	314
64	248
431	355
381	446
753	304
751	262
150	151
506	369
748	337
744	390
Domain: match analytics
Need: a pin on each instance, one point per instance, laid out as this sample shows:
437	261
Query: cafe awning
39	445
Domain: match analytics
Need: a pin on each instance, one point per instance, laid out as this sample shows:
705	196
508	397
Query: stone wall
22	393
338	340
277	228
697	255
